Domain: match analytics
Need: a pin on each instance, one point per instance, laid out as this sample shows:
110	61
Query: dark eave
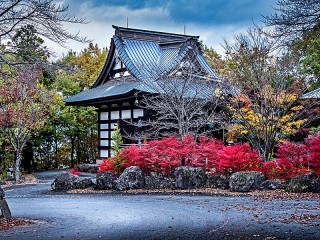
104	100
107	66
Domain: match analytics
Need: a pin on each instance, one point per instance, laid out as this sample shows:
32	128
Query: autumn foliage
163	156
294	159
239	158
75	171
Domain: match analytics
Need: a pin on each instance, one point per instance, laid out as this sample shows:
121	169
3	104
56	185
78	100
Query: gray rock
315	185
218	181
66	181
190	177
304	183
2	195
120	185
105	180
88	168
4	208
131	178
246	181
82	183
273	184
153	182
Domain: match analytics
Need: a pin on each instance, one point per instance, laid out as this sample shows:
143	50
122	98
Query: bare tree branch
294	18
182	102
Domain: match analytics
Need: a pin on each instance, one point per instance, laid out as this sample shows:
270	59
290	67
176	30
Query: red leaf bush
75	170
238	158
279	169
295	153
163	156
313	146
116	165
207	153
294	159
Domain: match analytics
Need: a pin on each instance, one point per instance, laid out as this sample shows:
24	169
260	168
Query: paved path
119	216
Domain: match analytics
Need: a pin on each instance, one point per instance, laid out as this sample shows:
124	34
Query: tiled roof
127	84
149	57
312	94
148	60
119	86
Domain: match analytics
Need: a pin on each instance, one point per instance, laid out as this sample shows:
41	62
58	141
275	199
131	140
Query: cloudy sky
212	20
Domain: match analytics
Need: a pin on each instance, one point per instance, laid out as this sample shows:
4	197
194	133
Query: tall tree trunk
78	150
17	165
27	160
72	151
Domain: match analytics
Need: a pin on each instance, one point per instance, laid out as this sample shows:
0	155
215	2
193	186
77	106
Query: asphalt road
121	216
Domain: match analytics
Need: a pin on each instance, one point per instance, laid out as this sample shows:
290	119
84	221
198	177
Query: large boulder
82	183
105	180
4	208
246	181
66	181
88	168
190	177
218	181
304	183
131	178
2	195
273	184
315	185
153	182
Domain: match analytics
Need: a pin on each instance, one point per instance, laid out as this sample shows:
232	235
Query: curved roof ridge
126	59
150	58
206	65
151	32
182	53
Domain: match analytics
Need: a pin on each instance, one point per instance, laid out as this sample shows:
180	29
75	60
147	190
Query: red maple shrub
75	170
238	158
116	164
163	156
313	146
293	159
279	168
207	153
135	156
295	153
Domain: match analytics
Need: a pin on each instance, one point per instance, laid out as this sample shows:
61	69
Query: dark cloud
204	12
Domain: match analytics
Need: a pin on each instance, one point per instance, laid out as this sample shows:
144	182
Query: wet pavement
122	216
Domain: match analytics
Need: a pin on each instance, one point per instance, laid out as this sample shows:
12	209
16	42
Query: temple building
136	59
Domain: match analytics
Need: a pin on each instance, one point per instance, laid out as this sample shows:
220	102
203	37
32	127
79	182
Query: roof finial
184	29
127	22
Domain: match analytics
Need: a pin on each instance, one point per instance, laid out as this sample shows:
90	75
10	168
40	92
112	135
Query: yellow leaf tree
265	107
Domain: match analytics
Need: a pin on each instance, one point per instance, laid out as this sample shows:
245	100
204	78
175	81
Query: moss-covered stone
303	183
218	181
246	181
190	177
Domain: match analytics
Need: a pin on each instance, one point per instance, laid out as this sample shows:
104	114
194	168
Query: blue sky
212	20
